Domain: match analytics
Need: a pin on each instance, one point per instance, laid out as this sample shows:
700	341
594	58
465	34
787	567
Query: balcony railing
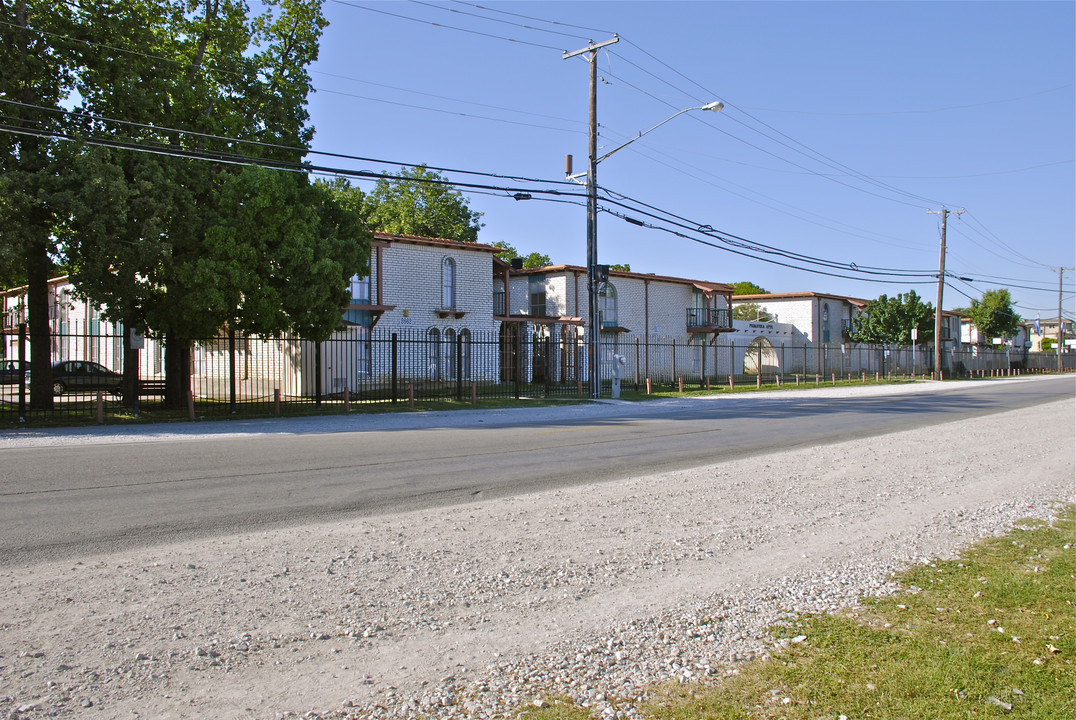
499	307
709	319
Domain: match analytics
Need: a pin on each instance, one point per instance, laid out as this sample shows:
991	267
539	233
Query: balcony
500	309
715	320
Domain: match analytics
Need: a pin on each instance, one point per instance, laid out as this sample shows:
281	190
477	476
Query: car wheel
58	388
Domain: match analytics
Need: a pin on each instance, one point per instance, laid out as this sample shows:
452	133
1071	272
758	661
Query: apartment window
448	284
433	369
607	305
536	286
360	290
450	354
362	350
465	354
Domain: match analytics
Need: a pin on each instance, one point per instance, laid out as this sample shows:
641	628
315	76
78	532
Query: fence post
190	405
547	343
231	369
518	359
680	384
276	402
101	407
834	377
673	373
459	367
474	393
317	375
648	386
347	399
636	364
411	395
395	370
22	372
758	379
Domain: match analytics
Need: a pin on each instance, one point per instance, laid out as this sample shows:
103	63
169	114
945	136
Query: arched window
433	369
448	284
450	355
607	305
465	355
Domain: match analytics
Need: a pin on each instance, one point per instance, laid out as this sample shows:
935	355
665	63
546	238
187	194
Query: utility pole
1060	318
941	286
593	323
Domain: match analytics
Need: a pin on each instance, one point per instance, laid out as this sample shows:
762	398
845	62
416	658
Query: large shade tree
993	315
38	57
176	241
890	321
419	201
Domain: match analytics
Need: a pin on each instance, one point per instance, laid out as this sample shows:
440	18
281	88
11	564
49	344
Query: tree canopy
889	321
750	311
176	241
747	288
531	260
421	202
993	315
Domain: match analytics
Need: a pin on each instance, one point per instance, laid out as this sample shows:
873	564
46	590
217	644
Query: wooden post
347	400
817	379
580	390
797	379
758	379
833	377
474	393
190	405
100	407
276	402
681	384
732	385
648	386
778	379
411	394
707	384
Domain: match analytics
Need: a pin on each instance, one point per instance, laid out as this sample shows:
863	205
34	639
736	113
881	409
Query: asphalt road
60	501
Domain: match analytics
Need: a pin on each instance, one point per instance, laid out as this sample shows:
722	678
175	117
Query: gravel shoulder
591	592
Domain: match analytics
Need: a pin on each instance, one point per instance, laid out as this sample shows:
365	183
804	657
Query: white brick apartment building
425	290
553	302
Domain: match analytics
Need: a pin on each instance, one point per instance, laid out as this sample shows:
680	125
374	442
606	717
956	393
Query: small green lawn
991	634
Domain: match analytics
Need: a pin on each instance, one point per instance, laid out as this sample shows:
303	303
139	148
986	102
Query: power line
528	17
497	20
446	27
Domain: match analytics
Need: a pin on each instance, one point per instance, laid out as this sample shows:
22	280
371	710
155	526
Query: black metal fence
231	373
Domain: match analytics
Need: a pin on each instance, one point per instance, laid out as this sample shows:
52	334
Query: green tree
531	260
38	60
421	202
750	311
747	288
889	321
622	267
993	315
188	246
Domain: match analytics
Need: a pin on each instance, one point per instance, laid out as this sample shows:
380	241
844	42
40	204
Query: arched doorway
760	358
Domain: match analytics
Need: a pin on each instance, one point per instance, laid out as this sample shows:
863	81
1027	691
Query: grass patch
990	634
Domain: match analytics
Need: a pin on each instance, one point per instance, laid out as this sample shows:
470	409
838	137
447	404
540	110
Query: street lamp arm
715	106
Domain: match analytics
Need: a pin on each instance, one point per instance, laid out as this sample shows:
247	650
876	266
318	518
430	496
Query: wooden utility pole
593	323
941	286
1060	318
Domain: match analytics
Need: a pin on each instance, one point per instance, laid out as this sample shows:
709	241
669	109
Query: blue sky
845	123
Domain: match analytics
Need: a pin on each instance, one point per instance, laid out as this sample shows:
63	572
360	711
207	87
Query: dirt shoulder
466	611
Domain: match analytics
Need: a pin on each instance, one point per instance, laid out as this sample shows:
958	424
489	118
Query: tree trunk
37	306
177	368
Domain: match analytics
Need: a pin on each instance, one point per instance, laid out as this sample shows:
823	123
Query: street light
593	280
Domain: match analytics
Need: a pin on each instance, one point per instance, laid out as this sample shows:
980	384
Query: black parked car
9	371
82	375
